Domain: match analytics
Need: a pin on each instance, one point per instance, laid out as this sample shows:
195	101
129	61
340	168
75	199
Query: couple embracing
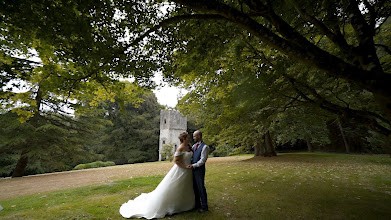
182	189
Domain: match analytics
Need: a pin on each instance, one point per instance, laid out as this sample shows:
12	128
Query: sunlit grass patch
96	201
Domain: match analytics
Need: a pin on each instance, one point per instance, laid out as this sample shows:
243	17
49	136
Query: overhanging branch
368	118
336	38
374	80
174	20
387	49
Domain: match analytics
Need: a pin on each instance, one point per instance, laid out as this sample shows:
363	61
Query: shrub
139	159
167	152
223	150
95	164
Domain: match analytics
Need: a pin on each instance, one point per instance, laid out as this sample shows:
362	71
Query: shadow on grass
318	158
289	186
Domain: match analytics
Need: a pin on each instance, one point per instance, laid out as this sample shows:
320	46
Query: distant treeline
113	131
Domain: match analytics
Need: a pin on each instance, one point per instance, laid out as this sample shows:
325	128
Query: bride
173	194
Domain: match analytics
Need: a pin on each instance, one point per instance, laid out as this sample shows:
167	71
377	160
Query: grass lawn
290	186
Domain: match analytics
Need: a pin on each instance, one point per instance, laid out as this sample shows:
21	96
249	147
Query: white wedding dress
173	194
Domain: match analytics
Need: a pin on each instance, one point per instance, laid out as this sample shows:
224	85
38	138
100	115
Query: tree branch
336	38
174	20
281	26
372	14
374	80
387	49
382	12
358	22
365	117
294	98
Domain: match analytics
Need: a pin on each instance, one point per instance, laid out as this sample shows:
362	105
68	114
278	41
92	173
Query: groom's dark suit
199	176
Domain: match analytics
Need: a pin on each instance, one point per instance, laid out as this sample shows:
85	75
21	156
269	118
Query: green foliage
138	156
240	88
78	64
95	164
125	131
78	57
379	143
167	152
243	82
55	143
223	151
133	136
7	163
301	124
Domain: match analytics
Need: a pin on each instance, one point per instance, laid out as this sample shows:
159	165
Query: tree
295	34
75	64
167	152
54	143
357	34
133	136
239	92
43	107
342	44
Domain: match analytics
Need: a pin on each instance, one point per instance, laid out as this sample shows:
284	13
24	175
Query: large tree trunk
257	148
347	147
309	144
270	151
385	103
21	165
263	146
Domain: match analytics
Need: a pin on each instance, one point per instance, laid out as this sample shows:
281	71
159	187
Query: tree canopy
263	64
352	27
133	136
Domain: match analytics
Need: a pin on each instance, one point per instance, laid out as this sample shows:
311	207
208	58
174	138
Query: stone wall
172	123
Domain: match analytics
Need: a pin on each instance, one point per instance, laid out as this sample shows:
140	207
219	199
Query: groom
201	151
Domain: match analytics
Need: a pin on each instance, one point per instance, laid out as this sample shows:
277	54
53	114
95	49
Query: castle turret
172	123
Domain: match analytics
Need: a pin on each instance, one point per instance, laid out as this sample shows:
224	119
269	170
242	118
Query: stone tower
172	123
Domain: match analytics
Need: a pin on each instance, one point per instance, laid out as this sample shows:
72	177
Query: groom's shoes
202	210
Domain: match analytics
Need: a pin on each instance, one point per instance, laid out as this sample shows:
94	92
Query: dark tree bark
269	147
347	147
263	147
257	149
309	144
21	165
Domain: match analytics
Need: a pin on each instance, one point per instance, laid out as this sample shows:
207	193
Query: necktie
197	146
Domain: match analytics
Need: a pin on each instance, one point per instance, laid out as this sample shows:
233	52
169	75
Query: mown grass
290	186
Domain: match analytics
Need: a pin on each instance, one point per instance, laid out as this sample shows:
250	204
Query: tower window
165	121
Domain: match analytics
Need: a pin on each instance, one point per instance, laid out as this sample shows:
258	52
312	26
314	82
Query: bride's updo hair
183	136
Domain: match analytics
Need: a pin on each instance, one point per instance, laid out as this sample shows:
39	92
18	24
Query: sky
167	95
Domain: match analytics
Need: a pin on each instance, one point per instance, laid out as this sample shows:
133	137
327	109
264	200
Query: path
16	187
